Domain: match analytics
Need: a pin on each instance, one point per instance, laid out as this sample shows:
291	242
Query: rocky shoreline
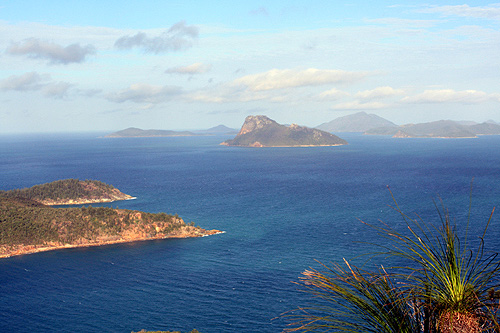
7	251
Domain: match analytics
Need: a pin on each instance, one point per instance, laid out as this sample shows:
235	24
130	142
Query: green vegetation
24	221
444	287
67	189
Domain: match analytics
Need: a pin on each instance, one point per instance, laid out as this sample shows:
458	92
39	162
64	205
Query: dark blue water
281	208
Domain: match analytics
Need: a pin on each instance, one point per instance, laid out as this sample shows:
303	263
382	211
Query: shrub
445	286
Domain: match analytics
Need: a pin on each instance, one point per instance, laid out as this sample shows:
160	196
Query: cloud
56	54
356	105
289	78
57	90
179	37
197	68
333	94
24	82
449	96
145	93
491	12
377	93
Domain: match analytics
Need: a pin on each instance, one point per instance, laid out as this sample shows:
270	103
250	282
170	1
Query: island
69	192
261	131
357	122
435	129
133	132
27	225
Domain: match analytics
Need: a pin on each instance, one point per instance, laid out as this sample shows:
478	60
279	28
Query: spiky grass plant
444	286
452	284
352	300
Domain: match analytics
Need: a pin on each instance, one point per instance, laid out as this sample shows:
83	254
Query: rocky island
27	225
260	131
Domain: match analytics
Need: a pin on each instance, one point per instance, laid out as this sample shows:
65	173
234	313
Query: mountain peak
357	122
253	123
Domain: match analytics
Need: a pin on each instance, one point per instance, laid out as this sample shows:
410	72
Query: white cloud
377	93
488	12
24	82
333	94
356	105
145	93
196	68
449	96
179	37
289	78
56	54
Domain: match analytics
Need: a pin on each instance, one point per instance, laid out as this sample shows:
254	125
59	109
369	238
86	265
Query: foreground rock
260	131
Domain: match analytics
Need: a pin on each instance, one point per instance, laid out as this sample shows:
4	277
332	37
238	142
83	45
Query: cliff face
260	131
253	123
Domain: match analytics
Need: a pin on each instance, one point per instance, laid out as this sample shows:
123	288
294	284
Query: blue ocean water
281	209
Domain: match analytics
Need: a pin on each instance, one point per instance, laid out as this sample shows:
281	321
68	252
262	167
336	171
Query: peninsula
261	131
28	226
69	192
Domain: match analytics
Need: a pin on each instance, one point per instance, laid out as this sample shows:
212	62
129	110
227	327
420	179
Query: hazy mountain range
372	124
133	132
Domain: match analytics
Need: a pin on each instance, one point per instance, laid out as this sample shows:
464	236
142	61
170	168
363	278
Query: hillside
27	226
133	132
69	192
486	128
260	131
358	122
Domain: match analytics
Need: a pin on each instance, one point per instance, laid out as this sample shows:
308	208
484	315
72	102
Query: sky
78	66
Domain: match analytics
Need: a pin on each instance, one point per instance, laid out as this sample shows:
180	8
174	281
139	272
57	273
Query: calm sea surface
281	208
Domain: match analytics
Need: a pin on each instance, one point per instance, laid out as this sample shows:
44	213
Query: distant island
28	226
371	124
357	122
261	131
438	129
217	130
133	132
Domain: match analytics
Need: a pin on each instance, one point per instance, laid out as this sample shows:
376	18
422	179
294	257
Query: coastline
85	201
21	249
295	146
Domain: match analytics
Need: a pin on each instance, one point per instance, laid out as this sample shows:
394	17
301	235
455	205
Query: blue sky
108	65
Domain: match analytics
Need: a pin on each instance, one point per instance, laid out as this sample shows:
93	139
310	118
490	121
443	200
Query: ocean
282	210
